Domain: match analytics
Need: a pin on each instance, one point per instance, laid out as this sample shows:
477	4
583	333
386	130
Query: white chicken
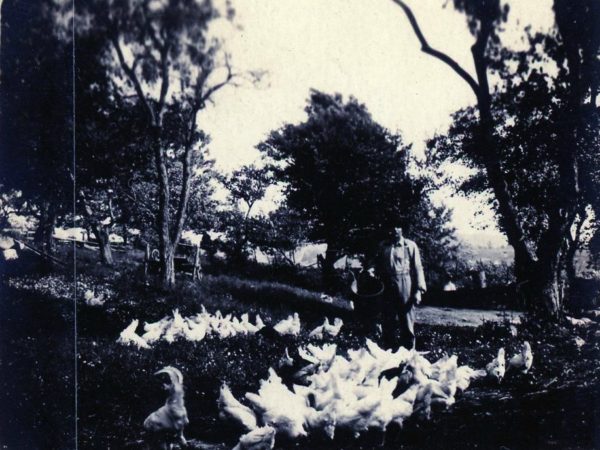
232	410
91	299
259	439
523	360
327	329
6	242
290	326
323	421
422	403
249	327
10	254
177	328
320	356
280	407
497	367
464	376
356	416
400	410
129	337
259	322
238	327
386	359
286	359
583	322
154	330
195	331
352	393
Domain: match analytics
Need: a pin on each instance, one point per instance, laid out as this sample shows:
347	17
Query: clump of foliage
347	178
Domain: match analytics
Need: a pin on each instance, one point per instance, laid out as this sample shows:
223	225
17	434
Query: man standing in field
398	265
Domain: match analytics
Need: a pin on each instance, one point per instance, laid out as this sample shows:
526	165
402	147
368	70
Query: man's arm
420	276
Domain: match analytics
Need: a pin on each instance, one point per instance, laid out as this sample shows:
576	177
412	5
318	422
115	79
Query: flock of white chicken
196	328
354	392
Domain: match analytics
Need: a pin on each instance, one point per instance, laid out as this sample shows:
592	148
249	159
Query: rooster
164	427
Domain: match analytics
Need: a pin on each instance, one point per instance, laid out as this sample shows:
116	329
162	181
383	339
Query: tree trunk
43	235
167	266
540	273
197	274
546	293
165	246
102	235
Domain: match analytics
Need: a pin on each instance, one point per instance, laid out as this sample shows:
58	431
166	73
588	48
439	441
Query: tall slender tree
577	25
160	57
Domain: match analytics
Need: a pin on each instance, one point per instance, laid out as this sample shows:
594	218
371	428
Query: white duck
523	360
231	409
129	337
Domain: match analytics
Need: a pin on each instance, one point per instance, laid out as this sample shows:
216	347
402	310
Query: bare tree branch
230	76
426	48
164	74
130	73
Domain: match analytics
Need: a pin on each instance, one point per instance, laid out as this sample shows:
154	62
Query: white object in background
10	254
6	242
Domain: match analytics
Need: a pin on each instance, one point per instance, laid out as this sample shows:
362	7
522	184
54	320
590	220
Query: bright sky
364	48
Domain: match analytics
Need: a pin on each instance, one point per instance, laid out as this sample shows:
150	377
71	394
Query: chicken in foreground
164	427
232	410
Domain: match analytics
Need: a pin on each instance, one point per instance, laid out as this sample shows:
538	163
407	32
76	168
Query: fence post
197	273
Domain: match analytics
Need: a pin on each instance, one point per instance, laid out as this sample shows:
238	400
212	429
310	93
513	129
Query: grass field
552	407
